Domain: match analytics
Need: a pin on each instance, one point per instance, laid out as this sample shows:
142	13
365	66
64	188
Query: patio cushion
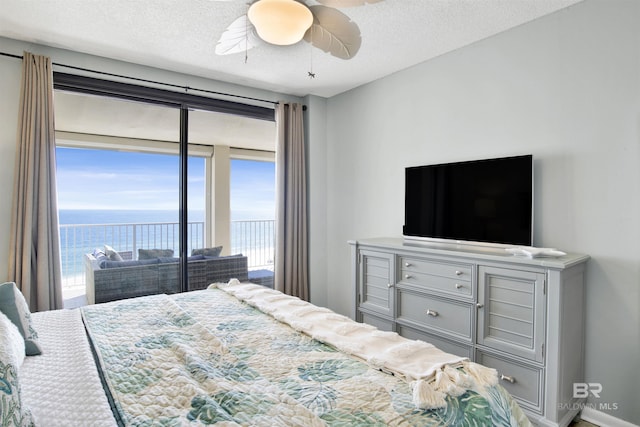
112	253
154	253
170	260
210	252
132	263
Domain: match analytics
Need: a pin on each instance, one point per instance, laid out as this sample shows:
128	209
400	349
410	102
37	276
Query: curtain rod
186	88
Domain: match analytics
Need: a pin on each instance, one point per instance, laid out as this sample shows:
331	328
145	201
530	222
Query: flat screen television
487	202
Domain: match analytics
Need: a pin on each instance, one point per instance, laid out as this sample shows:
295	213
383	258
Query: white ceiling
180	35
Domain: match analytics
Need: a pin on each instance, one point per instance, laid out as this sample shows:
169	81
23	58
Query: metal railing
255	239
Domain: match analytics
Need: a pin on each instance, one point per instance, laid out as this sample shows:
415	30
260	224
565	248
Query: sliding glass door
153	168
118	169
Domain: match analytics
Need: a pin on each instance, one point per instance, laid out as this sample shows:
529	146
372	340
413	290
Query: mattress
62	386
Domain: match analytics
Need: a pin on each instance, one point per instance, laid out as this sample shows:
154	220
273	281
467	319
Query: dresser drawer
449	278
445	345
438	314
436	268
460	288
378	322
524	382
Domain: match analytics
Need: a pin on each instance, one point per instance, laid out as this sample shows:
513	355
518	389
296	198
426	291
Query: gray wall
315	137
565	88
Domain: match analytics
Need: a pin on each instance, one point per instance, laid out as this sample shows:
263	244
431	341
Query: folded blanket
431	372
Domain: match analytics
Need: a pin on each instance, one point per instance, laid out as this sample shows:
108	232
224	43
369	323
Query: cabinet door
376	281
511	311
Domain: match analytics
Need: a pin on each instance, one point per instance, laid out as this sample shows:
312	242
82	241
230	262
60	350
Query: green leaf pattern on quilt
240	371
317	397
300	343
237	377
230	406
162	340
133	380
349	419
331	370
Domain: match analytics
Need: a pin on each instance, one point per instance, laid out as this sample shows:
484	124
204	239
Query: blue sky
100	179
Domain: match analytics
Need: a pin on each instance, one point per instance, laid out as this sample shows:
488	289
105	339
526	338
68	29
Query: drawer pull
408	276
459	286
389	285
458	273
512	380
407	264
432	313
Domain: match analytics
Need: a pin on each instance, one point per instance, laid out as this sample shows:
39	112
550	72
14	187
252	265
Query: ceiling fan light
281	22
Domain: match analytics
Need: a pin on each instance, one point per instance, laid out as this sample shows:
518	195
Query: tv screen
485	201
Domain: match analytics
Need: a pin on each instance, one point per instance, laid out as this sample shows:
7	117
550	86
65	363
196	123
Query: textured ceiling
180	35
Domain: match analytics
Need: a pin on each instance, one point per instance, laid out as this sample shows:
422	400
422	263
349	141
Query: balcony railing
255	239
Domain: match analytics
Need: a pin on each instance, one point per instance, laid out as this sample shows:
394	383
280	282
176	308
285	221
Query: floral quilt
205	358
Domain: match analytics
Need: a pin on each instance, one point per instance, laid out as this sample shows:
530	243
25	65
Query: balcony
255	239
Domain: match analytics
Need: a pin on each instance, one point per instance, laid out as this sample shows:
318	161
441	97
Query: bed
242	354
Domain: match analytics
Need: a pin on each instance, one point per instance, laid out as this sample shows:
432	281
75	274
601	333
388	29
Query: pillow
11	357
99	255
15	307
112	254
11	342
154	253
211	252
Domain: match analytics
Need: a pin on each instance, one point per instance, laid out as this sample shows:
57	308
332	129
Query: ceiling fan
286	22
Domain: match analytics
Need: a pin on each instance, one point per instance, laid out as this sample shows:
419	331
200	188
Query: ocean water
82	231
94	216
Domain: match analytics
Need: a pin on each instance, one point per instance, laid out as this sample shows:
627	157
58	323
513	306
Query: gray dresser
521	316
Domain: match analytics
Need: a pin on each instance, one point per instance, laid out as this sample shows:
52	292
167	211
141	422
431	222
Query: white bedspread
61	386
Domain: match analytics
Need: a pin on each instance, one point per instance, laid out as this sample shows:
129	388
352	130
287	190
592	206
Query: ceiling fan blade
241	35
333	32
347	3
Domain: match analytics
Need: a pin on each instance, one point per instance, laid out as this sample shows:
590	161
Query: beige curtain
291	261
34	262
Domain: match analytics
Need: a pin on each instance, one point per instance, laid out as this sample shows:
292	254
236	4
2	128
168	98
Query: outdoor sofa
109	280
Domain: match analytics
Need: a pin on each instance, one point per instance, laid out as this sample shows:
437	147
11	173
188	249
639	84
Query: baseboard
603	420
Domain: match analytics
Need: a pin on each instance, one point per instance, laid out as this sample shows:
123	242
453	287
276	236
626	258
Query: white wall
10	75
565	88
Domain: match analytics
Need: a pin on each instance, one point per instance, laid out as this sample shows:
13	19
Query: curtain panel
291	259
34	262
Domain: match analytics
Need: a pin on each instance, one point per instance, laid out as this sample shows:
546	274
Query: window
253	211
123	157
